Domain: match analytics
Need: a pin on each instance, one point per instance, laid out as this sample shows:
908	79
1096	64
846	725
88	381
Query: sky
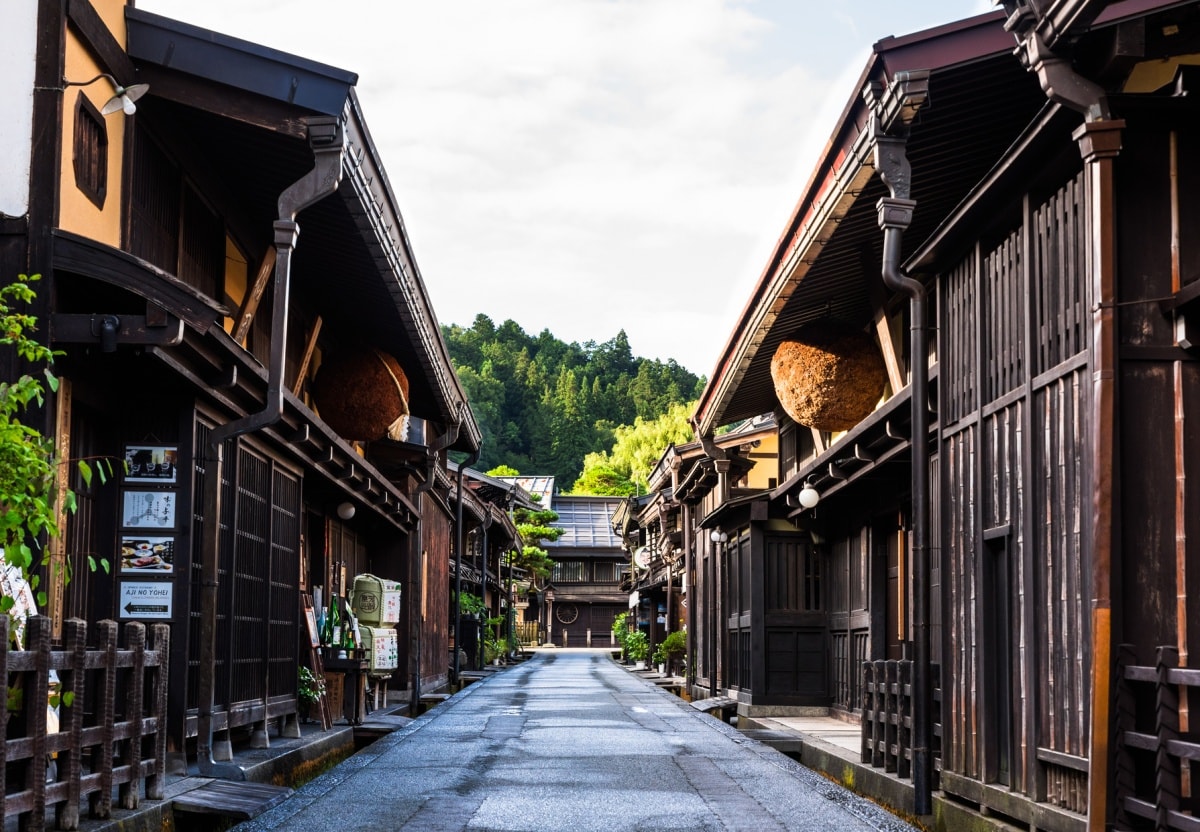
591	166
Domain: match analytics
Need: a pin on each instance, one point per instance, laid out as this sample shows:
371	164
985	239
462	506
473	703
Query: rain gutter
327	140
895	215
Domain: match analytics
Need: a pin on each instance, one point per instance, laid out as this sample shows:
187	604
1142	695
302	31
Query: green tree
535	529
636	449
543	404
29	469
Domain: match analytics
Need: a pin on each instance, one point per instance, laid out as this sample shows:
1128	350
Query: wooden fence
1157	761
112	720
887	717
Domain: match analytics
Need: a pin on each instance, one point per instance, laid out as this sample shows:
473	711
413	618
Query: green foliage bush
637	646
671	647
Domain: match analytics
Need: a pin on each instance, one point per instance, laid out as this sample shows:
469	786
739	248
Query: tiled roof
586	523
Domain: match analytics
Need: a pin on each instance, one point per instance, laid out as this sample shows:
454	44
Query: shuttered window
91	151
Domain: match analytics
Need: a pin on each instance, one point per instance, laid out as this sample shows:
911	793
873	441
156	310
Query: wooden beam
887	346
309	348
254	295
222	100
818	441
90	28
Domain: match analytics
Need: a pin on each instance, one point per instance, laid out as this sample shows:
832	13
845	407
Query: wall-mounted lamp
345	510
106	327
718	536
809	496
123	97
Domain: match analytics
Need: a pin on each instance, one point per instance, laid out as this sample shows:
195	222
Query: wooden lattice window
91	151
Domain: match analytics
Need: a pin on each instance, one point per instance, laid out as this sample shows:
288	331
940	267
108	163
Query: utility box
375	600
382	649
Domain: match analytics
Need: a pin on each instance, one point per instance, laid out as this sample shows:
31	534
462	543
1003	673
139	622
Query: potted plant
620	630
670	649
637	647
309	690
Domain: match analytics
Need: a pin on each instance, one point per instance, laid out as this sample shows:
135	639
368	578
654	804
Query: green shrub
637	646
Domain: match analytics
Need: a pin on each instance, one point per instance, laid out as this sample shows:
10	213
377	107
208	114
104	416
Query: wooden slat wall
1058	457
1003	325
959	342
960	690
1059	313
985	445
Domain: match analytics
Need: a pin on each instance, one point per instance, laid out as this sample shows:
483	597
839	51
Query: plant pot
639	665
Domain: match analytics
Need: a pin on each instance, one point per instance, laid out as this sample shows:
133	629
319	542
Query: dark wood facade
179	247
1053	233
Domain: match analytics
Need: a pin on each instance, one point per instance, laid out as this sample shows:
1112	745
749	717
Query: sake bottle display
333	620
327	626
349	631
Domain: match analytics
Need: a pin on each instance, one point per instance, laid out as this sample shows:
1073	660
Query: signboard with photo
142	553
151	463
148	510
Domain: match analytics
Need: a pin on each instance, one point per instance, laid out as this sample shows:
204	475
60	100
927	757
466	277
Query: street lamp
718	536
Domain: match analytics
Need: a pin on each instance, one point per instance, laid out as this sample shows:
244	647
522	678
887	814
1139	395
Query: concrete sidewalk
570	741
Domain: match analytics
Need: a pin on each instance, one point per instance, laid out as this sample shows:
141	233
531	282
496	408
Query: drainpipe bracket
895	212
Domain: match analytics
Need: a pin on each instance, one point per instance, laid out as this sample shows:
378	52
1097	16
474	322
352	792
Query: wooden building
1000	473
676	567
207	341
583	595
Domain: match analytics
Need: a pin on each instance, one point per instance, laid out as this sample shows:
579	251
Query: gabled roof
826	262
977	102
241	109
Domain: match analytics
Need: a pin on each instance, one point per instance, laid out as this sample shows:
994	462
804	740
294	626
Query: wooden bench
784	741
722	707
239	801
432	700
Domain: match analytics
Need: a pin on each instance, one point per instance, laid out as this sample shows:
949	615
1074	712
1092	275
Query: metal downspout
895	215
444	441
325	137
458	556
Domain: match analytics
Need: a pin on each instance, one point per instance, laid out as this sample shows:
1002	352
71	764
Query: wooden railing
887	717
112	708
1154	756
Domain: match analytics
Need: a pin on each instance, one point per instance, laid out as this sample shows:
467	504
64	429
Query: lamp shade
809	496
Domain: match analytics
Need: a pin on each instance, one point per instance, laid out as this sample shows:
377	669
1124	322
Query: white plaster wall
18	41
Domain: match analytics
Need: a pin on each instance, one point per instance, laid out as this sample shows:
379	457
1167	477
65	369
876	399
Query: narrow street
570	740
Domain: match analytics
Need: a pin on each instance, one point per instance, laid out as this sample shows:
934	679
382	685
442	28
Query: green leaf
91	563
68	698
101	475
85	471
51	380
107	568
42	598
7	602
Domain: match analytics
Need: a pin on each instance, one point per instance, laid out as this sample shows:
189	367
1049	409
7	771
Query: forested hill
543	404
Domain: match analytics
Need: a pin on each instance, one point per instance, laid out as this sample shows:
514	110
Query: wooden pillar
1099	143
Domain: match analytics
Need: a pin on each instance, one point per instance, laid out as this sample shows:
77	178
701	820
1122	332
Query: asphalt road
569	740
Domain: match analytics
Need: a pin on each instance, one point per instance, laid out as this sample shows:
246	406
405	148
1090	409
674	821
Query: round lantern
828	375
